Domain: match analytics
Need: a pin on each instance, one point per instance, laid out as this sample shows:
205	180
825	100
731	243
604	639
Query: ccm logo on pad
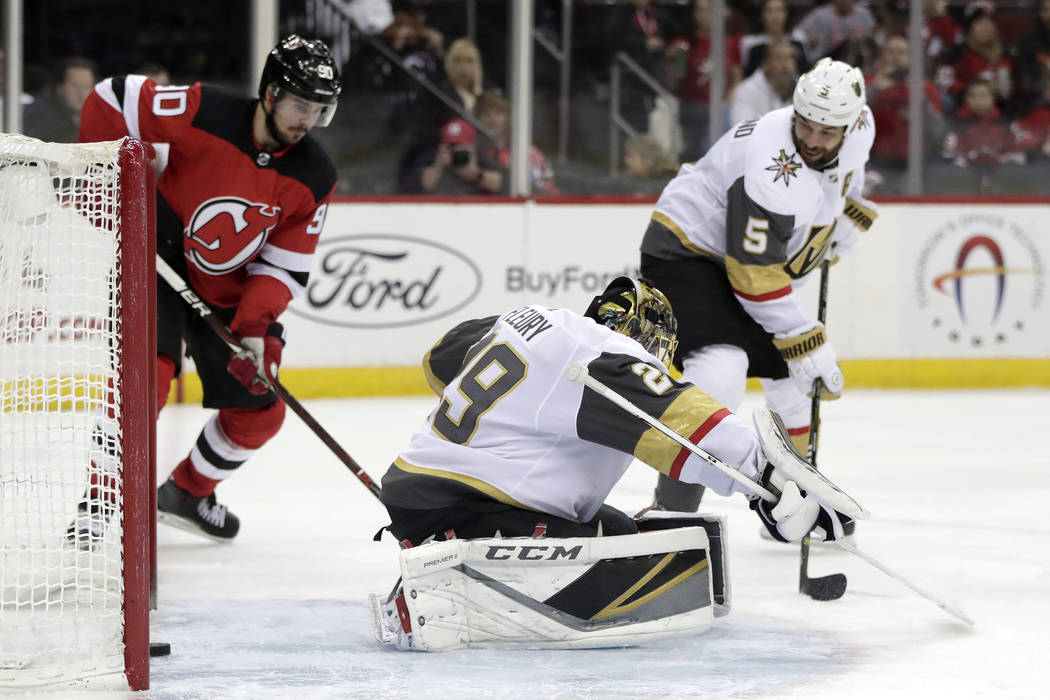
532	552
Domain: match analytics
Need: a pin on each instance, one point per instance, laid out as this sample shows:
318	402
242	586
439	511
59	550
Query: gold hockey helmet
640	311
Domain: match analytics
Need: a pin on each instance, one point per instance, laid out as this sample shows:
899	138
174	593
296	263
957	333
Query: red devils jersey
250	219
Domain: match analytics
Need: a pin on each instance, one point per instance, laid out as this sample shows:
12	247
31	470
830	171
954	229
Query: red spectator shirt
696	83
972	65
250	219
890	109
983	140
1032	130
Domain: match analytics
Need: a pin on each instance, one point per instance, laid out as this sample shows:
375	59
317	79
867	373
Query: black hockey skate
201	516
99	501
89	527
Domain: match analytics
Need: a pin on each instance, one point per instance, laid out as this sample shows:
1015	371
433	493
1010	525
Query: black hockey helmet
305	68
640	311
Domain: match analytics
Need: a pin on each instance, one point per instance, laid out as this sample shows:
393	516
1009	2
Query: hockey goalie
498	501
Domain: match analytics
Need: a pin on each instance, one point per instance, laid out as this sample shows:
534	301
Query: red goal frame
138	401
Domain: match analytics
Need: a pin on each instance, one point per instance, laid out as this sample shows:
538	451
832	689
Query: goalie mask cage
77	411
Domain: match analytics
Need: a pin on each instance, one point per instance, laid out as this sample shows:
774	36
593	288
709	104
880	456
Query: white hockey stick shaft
942	604
578	373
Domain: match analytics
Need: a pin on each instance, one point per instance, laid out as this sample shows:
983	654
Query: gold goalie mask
634	308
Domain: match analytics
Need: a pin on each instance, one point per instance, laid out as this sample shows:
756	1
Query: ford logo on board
375	280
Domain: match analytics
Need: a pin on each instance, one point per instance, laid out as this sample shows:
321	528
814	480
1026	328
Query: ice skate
200	515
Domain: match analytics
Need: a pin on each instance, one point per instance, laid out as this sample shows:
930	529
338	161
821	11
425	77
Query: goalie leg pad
587	592
715	527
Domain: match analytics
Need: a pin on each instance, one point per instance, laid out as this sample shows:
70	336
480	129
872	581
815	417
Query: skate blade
382	633
187	526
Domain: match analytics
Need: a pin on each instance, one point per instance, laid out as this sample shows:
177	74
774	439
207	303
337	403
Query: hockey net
76	410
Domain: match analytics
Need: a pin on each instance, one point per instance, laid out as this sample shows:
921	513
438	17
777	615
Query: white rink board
390	278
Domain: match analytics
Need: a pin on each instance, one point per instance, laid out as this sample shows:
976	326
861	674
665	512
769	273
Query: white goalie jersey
510	425
753	204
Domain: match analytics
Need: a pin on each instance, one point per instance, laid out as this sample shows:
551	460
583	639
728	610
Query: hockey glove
858	215
810	357
259	358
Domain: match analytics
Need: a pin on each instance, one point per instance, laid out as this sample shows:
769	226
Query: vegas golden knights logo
812	252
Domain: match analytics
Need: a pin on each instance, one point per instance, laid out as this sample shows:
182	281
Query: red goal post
77	411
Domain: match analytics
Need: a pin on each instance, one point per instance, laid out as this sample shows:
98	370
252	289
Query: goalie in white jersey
516	449
733	235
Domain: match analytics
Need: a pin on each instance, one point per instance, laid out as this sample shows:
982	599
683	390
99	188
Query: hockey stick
832	586
942	604
190	297
578	373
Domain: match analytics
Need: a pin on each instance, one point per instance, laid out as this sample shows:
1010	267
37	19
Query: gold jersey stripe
665	220
756	279
474	483
689	410
435	384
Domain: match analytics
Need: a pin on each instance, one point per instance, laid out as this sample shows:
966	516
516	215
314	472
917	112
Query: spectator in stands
689	77
940	33
979	135
420	46
769	88
1033	60
753	47
471	162
887	91
647	165
826	28
55	116
640	30
463	71
461	85
980	57
1032	131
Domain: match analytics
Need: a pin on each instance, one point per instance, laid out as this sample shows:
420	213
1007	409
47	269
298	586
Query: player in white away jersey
516	448
733	235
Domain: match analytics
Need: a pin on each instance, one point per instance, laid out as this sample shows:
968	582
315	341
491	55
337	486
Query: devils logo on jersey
226	232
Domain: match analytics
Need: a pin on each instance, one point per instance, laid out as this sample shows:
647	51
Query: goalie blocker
558	593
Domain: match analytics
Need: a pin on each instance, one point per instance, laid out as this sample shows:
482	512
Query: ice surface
957	484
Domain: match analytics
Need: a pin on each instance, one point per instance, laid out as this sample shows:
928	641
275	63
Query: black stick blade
830	587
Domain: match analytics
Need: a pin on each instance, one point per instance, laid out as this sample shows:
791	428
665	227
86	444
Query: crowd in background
440	123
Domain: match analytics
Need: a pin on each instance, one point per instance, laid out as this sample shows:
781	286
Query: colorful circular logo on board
979	280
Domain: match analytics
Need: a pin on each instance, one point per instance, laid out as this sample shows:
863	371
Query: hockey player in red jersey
240	206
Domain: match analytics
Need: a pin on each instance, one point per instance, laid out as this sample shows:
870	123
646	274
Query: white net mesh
61	587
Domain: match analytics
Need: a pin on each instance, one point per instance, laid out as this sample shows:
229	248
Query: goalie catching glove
794	514
259	356
810	357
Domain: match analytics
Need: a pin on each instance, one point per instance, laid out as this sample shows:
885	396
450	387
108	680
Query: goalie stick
190	297
832	586
578	373
798	471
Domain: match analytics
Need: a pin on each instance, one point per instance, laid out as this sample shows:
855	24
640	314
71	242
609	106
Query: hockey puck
159	648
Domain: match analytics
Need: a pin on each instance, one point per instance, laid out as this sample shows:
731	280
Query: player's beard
819	160
277	135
